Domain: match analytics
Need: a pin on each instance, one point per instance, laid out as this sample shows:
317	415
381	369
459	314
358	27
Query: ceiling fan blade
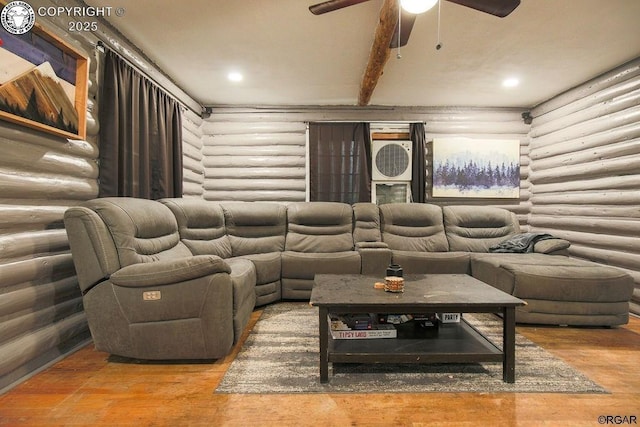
406	25
331	5
500	8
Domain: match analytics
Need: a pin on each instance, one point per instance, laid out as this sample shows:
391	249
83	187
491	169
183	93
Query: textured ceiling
290	57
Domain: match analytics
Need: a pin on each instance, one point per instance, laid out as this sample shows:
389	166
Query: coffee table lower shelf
454	343
435	293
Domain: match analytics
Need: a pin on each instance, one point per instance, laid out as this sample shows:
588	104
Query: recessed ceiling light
511	82
235	76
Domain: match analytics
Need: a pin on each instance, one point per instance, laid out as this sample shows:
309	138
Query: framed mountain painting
43	83
476	168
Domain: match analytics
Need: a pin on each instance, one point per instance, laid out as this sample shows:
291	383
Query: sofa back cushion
476	228
255	227
366	223
201	226
413	227
142	230
320	227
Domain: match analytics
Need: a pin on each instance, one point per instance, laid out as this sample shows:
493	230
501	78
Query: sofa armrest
374	257
169	271
551	246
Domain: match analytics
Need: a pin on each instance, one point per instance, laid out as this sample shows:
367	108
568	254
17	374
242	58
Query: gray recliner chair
145	294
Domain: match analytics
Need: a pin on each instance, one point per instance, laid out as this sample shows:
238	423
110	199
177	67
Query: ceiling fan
499	8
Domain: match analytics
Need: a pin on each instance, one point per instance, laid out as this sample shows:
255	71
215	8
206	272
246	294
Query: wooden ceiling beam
380	50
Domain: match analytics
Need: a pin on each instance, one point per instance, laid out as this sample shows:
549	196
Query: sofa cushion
366	223
574	313
486	266
413	227
432	262
255	227
553	277
594	283
299	265
551	245
201	226
477	228
142	230
300	268
268	266
317	227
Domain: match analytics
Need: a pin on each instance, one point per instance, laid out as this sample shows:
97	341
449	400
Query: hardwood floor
87	389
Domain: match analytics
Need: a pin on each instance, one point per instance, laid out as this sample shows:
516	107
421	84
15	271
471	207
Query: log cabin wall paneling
192	166
260	153
585	170
249	160
41	313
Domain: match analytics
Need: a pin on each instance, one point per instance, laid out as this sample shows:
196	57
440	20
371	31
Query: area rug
281	355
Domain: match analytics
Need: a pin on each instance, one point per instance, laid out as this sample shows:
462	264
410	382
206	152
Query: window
339	162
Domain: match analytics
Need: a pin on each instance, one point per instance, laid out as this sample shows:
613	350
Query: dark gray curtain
418	162
140	135
339	162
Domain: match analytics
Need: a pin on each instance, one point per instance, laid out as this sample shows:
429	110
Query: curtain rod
102	45
390	122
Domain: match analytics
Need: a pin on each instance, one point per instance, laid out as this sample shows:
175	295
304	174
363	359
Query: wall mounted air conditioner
383	192
391	160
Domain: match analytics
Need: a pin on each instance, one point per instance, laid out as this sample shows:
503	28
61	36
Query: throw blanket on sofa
520	243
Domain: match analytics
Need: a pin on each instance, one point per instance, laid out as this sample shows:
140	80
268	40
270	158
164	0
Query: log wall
41	312
192	166
579	170
247	160
260	154
585	170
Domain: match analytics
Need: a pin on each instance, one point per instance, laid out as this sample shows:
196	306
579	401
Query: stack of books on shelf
359	326
371	325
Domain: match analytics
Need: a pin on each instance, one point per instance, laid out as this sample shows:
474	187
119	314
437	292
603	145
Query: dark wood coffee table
433	293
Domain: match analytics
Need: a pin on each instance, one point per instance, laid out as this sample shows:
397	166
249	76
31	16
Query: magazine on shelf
348	328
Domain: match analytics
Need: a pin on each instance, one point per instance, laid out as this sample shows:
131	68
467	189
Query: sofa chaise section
559	290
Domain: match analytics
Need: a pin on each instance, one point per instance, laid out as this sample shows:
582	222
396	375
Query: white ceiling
290	57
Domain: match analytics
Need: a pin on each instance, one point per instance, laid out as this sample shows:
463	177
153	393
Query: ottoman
558	290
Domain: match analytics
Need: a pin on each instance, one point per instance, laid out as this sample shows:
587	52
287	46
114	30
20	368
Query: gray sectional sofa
179	278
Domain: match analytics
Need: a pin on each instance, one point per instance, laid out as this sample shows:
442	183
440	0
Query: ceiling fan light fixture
417	6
